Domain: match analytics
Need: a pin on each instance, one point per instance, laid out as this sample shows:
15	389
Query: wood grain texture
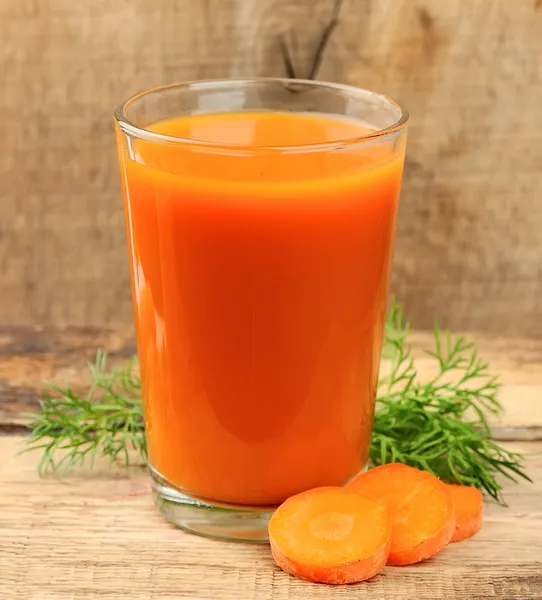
29	356
97	535
470	230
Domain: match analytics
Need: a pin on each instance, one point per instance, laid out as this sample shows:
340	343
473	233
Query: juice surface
260	282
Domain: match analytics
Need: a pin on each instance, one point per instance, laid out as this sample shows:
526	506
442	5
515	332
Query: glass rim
146	134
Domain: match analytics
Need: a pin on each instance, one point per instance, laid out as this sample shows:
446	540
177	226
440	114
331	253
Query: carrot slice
468	504
420	508
330	535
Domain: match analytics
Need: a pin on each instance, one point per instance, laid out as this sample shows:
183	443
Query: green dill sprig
440	425
71	429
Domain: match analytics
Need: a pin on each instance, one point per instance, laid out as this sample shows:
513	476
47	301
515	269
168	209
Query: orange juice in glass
260	219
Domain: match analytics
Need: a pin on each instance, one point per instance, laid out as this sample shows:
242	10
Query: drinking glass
260	218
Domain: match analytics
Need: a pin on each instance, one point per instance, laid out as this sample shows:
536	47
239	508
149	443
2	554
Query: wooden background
469	243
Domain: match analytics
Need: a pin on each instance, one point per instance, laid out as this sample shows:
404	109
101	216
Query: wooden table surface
97	535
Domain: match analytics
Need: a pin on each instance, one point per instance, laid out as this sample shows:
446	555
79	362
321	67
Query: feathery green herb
438	424
106	421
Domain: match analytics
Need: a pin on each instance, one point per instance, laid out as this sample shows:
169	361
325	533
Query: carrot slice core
330	535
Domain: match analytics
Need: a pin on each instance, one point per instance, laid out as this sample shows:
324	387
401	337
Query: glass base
216	520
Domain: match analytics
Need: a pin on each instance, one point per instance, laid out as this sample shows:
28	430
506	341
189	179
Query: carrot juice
260	254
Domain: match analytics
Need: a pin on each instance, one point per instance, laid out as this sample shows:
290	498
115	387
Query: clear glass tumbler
260	219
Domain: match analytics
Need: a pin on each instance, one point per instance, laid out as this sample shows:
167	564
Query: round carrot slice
468	504
420	508
330	535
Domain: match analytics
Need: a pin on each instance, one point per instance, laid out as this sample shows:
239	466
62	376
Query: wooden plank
29	356
470	229
97	535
